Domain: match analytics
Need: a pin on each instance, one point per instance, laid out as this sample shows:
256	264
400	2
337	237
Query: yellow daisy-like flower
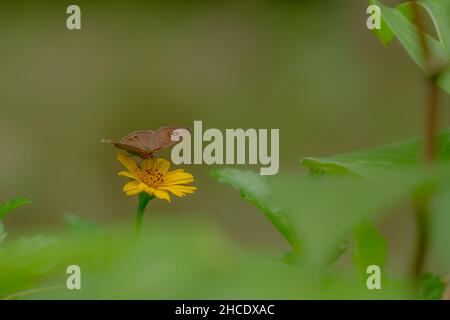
153	177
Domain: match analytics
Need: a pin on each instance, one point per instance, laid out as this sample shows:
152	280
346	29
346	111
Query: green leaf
439	224
78	224
338	251
316	214
3	234
385	33
324	210
370	247
255	188
431	287
152	270
13	204
444	79
439	11
407	10
407	33
389	160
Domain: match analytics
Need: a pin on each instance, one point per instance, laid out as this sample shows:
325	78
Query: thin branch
431	121
432	102
421	203
421	212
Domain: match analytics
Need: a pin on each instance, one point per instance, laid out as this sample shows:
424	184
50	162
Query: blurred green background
309	68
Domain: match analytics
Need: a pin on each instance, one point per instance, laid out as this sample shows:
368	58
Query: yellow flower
153	176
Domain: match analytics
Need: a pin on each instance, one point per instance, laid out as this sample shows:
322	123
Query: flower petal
175	171
127	174
161	165
176	192
179	190
145	187
133	192
161	194
178	176
131	186
178	182
147	164
129	164
185	189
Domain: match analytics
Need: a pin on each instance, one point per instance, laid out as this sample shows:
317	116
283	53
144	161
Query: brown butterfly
144	143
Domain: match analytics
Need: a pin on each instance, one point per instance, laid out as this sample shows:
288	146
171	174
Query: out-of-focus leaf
7	207
3	234
389	160
407	33
444	79
212	267
431	287
78	224
319	211
385	33
335	252
26	261
370	247
439	11
32	245
407	10
340	249
439	221
325	209
255	188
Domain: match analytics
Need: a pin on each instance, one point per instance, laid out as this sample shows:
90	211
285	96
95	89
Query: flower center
152	177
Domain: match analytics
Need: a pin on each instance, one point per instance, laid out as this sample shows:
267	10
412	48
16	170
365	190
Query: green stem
432	102
421	205
144	199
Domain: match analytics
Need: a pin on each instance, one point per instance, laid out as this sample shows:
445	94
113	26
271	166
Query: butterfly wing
137	143
144	143
162	138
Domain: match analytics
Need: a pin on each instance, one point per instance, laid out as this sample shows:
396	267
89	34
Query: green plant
6	208
314	213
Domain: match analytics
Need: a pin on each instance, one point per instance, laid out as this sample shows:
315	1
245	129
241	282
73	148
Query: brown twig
431	121
421	213
421	204
431	106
